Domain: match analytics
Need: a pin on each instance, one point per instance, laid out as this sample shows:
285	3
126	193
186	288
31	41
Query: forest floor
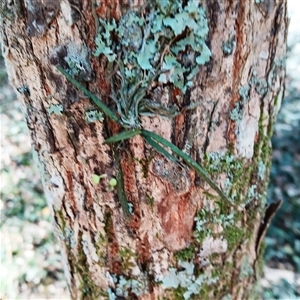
29	254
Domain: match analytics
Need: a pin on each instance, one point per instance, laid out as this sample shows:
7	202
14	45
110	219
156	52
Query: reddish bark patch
89	22
47	89
175	212
180	120
88	196
240	39
102	84
239	61
143	247
109	9
179	125
176	93
114	127
71	191
114	264
98	63
130	187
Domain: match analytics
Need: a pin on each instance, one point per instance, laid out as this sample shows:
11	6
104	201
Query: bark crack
209	127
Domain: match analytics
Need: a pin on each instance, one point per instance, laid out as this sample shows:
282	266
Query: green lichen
236	170
239	175
68	237
263	149
237	113
261	87
55	109
66	234
24	90
262	154
258	170
104	41
206	221
108	223
186	254
261	170
246	269
260	262
128	287
144	162
244	93
88	288
150	200
234	236
127	257
60	218
246	184
93	115
186	282
78	61
100	245
178	293
202	229
228	46
167	39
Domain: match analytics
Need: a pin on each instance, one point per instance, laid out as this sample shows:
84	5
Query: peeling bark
177	228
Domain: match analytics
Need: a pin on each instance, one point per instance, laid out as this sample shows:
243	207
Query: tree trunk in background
181	241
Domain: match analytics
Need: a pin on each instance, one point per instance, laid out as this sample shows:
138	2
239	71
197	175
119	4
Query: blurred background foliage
29	254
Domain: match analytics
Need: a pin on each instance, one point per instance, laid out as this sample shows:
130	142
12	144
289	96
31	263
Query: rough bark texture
179	242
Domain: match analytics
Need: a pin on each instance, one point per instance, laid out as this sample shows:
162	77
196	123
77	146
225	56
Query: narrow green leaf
124	135
121	192
188	160
160	149
106	110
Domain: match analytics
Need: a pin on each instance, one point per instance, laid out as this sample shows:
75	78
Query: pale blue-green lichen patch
166	38
186	279
228	46
93	115
55	109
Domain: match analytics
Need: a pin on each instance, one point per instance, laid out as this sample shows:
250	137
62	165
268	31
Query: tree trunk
176	239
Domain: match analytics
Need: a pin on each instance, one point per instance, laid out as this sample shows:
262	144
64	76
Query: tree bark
180	240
